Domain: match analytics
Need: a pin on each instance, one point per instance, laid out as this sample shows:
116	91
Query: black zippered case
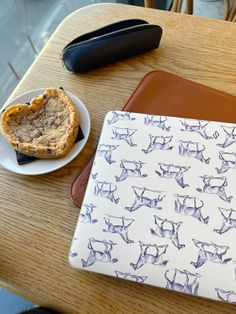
109	44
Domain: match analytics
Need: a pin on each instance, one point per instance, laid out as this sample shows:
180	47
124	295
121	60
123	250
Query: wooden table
37	217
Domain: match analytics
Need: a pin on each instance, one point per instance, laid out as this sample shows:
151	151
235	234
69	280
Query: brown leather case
166	94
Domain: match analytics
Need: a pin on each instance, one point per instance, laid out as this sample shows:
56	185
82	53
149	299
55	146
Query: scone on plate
45	128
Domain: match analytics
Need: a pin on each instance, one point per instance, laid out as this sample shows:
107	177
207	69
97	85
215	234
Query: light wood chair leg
179	6
189	7
150	3
174	5
227	9
232	13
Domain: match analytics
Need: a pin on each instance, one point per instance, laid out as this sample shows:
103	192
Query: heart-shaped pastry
45	128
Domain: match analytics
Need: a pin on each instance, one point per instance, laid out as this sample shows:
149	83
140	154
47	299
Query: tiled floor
12	304
209	8
24	35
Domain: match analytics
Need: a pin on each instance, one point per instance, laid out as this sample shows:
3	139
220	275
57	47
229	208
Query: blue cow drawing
106	189
210	252
145	197
157	121
215	185
182	281
100	251
175	172
106	152
118	116
228	161
86	216
196	126
130	169
167	229
230	136
118	225
130	276
187	205
158	142
150	254
228	296
193	149
124	134
229	220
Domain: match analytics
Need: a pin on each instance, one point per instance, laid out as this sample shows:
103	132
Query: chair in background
150	3
229	15
232	13
175	7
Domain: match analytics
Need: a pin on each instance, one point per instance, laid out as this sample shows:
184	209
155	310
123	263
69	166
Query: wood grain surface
37	217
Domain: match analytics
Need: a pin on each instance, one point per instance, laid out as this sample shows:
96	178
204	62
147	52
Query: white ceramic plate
41	166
